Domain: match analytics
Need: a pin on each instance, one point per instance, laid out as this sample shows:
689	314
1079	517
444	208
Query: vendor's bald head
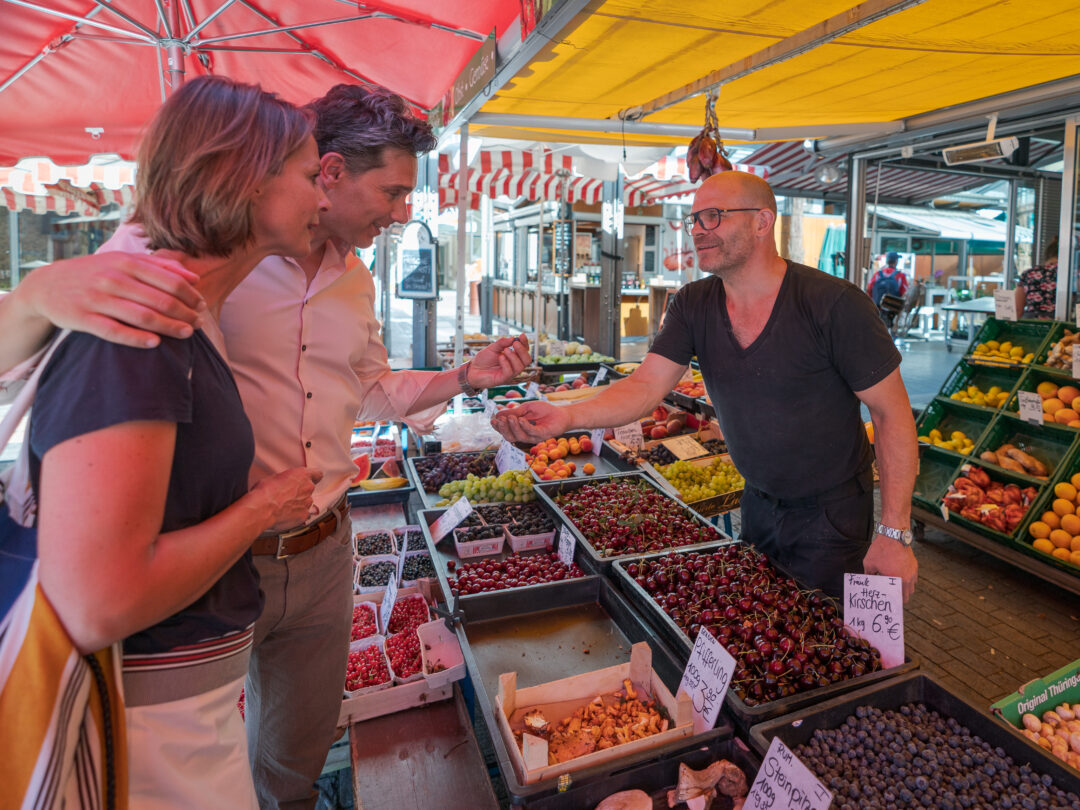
744	236
739	190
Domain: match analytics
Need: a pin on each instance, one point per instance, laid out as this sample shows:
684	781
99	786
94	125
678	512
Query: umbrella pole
174	51
462	242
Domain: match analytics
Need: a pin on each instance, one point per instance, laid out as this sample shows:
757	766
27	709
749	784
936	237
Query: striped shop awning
40	186
64	200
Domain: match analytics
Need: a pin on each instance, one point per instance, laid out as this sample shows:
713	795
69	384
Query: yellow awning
932	55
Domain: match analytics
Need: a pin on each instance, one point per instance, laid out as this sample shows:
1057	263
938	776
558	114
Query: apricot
1075	480
1038	529
1071	524
1065	490
1074	558
588	469
1060	538
1066	415
1051	519
1052	405
1043	545
1062	554
1075	544
1067	393
1046	389
1063	507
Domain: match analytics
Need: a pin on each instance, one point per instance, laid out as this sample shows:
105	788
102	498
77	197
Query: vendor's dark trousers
816	540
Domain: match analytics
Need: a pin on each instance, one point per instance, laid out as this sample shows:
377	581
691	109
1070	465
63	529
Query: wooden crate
559	699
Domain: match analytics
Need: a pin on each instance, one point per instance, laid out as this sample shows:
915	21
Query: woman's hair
1050	252
208	149
360	122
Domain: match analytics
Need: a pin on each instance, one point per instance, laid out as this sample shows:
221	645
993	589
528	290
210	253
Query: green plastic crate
1005	477
1051	444
937	469
1057	332
1022	539
983	377
1030	335
1030	382
948	416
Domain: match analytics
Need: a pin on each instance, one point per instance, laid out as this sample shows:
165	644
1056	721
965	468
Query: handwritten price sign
449	519
567	542
874	610
706	679
784	782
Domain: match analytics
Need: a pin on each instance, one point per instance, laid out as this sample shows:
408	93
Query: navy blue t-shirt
785	403
90	384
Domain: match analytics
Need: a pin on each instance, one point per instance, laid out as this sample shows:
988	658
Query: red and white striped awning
40	186
64	199
674	168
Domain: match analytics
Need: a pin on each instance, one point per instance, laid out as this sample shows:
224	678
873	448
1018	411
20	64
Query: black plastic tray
429	499
566	368
745	716
508	602
617	623
656	777
916	687
549	489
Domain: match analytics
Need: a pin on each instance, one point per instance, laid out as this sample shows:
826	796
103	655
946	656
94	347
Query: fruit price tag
684	447
450	519
389	598
534	750
601	375
1078	314
1031	409
1005	305
630	435
666	485
510	458
783	781
597	438
532	390
556	348
567	541
1076	365
874	610
706	679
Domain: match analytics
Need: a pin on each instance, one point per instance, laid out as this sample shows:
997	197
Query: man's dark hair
360	122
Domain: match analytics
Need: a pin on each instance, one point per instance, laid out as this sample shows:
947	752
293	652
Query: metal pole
174	51
539	277
1065	226
1010	235
13	245
611	233
462	243
856	216
382	272
487	231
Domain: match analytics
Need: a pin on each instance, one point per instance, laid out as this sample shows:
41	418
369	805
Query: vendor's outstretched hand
500	362
889	558
531	422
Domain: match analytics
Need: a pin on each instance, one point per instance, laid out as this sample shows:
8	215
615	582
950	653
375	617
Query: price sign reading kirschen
510	457
567	541
449	519
389	598
874	610
784	782
706	679
630	435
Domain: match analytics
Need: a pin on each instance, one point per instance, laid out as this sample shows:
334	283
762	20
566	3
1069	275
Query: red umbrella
80	77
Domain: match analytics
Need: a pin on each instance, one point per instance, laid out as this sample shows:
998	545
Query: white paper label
534	750
630	435
684	447
1031	409
490	408
1005	305
387	606
597	437
784	782
556	348
874	609
567	542
666	485
1076	364
706	679
1078	315
510	457
601	375
944	511
450	519
532	390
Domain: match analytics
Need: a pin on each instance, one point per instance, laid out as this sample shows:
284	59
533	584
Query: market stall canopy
79	77
827	67
947	224
40	186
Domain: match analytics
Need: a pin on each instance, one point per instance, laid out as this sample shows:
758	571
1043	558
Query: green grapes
699	483
513	486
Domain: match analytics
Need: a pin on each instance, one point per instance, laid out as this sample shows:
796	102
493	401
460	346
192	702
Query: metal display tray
431	498
549	489
603	463
363	497
656	777
549	644
508	602
915	687
681	644
567	368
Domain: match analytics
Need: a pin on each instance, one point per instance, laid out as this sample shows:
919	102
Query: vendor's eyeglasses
709	218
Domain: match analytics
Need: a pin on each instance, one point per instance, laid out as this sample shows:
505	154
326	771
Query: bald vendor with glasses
788	354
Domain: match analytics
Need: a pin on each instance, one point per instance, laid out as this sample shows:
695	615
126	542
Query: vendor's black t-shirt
90	384
786	403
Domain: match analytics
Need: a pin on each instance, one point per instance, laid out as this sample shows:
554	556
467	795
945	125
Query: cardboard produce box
560	699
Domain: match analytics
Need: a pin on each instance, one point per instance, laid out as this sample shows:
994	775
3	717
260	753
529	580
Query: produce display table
408	759
923	517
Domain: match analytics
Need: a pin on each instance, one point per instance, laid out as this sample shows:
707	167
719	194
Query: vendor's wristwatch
899	535
463	380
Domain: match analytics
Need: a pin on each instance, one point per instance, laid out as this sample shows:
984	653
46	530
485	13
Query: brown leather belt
299	540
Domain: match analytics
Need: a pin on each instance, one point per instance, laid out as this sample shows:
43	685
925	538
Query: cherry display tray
549	644
547	492
914	687
681	644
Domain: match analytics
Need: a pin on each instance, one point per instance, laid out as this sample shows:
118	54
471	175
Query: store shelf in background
547	645
948	417
681	645
798	727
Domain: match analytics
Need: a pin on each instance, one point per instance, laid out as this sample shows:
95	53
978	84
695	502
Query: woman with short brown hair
139	458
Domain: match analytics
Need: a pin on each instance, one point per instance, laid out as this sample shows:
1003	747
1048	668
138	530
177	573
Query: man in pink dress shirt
304	346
